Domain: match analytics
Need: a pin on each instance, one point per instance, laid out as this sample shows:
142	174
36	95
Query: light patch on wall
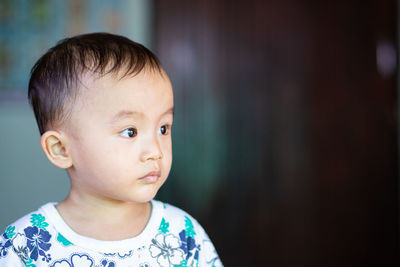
386	58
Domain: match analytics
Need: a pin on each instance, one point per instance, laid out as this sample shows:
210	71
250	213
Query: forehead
100	100
147	86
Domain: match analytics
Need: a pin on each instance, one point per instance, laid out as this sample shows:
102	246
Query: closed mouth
151	176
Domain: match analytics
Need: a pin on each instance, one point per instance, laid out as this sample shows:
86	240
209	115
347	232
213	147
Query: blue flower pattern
188	245
38	242
5	244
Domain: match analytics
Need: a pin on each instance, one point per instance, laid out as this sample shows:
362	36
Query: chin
145	196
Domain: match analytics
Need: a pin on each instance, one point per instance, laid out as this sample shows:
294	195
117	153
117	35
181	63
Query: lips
151	177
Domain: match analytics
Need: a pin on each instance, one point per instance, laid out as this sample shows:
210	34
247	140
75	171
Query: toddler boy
104	107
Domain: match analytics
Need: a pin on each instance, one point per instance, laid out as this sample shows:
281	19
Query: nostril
152	156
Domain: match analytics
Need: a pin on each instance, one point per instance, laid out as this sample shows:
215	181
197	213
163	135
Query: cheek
90	155
167	148
167	153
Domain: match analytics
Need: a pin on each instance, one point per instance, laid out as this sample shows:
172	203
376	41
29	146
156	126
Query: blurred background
285	135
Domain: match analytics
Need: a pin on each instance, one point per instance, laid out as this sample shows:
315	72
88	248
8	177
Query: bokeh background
286	129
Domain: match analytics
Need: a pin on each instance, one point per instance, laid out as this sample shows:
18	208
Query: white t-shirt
171	238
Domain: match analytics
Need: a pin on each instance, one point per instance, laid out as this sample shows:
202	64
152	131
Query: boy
104	107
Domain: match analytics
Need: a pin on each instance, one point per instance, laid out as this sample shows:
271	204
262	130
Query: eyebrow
171	110
130	113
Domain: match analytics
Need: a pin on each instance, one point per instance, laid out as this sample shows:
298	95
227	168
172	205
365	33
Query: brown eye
164	129
129	133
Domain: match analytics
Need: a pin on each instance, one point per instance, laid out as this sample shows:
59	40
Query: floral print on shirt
37	241
30	245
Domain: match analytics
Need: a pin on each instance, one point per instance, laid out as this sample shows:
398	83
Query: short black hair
55	76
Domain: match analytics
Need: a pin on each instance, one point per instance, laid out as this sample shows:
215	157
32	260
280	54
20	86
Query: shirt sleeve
208	256
11	260
14	249
7	255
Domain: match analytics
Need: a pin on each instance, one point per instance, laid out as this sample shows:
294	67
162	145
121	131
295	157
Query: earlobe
54	145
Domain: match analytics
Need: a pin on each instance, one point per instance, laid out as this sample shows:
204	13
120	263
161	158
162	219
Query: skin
118	132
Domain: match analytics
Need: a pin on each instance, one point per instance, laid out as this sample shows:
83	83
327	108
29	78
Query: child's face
119	137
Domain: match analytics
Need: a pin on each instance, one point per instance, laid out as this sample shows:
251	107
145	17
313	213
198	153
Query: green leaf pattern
10	231
189	231
164	226
29	263
63	240
38	220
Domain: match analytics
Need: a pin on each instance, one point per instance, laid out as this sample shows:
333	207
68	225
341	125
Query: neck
104	219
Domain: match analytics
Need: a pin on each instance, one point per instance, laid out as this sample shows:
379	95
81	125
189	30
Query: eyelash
132	132
127	132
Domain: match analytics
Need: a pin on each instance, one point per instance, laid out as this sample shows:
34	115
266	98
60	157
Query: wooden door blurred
286	133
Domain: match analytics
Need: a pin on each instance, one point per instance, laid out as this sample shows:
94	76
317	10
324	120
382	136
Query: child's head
56	76
104	107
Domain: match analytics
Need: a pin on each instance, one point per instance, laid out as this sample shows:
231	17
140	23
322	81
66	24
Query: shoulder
35	218
180	228
175	217
15	238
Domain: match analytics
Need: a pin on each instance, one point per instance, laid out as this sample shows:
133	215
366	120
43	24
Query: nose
151	150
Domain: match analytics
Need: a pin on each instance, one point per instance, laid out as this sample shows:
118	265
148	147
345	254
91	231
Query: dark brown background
285	129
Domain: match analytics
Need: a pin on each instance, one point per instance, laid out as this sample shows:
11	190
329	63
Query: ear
54	145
